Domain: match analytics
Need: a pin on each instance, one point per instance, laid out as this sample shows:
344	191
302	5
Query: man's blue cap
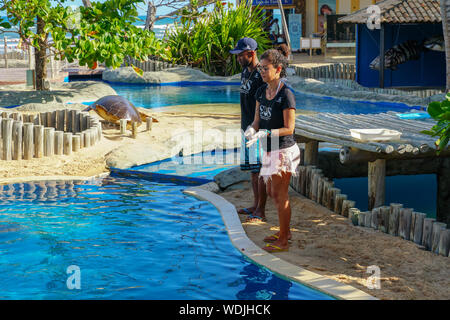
245	44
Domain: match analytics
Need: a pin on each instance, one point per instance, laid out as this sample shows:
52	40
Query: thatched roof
400	11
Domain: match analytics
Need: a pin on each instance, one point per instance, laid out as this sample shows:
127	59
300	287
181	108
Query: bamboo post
353	215
404	225
427	232
134	129
59	142
38	141
346	205
383	219
7	128
49	142
338	202
438	227
28	141
418	227
123	126
394	216
149	122
67	142
17	138
444	243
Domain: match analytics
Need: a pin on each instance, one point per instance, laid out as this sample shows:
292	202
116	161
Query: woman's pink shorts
278	161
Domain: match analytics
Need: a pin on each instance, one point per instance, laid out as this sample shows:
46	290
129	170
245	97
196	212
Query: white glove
249	133
259	135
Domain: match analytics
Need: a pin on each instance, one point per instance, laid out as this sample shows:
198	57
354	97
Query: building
400	21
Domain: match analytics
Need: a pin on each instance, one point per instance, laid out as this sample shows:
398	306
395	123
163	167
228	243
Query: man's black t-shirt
271	115
250	82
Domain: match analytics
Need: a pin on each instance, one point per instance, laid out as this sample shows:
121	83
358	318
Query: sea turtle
113	108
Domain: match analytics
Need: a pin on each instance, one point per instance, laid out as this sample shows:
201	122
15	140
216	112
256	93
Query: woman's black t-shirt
271	115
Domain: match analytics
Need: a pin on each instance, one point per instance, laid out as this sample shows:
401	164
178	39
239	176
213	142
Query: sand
328	244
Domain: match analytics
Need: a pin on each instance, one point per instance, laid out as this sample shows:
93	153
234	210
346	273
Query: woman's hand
249	133
259	135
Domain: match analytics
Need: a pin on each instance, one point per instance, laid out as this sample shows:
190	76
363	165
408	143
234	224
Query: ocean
159	28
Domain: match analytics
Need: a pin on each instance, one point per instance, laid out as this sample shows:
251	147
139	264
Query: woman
275	120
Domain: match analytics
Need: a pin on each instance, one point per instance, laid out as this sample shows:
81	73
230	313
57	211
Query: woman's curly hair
277	59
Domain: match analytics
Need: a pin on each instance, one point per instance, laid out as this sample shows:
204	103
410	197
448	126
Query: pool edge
248	248
51	178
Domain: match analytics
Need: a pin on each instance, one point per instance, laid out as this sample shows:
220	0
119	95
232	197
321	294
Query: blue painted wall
428	71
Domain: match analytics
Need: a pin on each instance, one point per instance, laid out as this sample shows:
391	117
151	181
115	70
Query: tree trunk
445	14
151	16
87	3
41	55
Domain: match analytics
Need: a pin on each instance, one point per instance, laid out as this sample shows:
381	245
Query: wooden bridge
413	153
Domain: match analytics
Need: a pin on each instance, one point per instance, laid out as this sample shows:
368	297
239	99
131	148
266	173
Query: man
274	31
250	157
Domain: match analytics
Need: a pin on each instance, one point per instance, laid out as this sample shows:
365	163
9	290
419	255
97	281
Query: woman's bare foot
275	237
247	210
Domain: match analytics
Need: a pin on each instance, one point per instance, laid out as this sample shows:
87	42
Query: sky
142	9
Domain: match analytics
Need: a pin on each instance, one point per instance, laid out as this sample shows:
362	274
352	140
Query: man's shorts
250	157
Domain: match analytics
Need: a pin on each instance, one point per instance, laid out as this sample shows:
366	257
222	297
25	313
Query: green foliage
103	33
440	111
204	40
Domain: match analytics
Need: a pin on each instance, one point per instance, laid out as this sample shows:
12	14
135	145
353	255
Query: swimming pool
130	239
155	96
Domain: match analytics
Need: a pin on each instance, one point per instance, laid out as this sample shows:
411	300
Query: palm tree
445	14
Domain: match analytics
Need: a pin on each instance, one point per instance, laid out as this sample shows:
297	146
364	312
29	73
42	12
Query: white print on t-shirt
265	112
245	86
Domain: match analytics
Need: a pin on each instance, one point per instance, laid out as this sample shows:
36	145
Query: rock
231	176
210	186
128	75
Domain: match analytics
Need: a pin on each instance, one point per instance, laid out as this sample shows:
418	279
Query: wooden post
17	137
368	219
315	175
346	205
418	227
6	52
49	119
81	134
444	243
383	219
28	141
438	227
49	142
38	141
376	181
374	219
427	232
134	129
123	126
443	191
301	179
76	121
381	57
309	170
338	203
353	215
60	120
149	122
75	143
320	189
332	192
67	149
311	152
7	127
394	216
59	142
68	120
404	225
87	139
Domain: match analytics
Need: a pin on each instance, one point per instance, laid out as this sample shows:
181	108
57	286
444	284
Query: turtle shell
113	108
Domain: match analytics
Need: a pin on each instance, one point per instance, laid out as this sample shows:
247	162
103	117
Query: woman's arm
289	124
255	123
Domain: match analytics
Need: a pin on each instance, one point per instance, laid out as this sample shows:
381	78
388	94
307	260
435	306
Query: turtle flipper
144	117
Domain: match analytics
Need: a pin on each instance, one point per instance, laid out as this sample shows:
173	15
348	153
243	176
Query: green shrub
440	111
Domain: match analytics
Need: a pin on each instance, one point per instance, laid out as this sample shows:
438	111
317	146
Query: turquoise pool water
130	239
168	95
